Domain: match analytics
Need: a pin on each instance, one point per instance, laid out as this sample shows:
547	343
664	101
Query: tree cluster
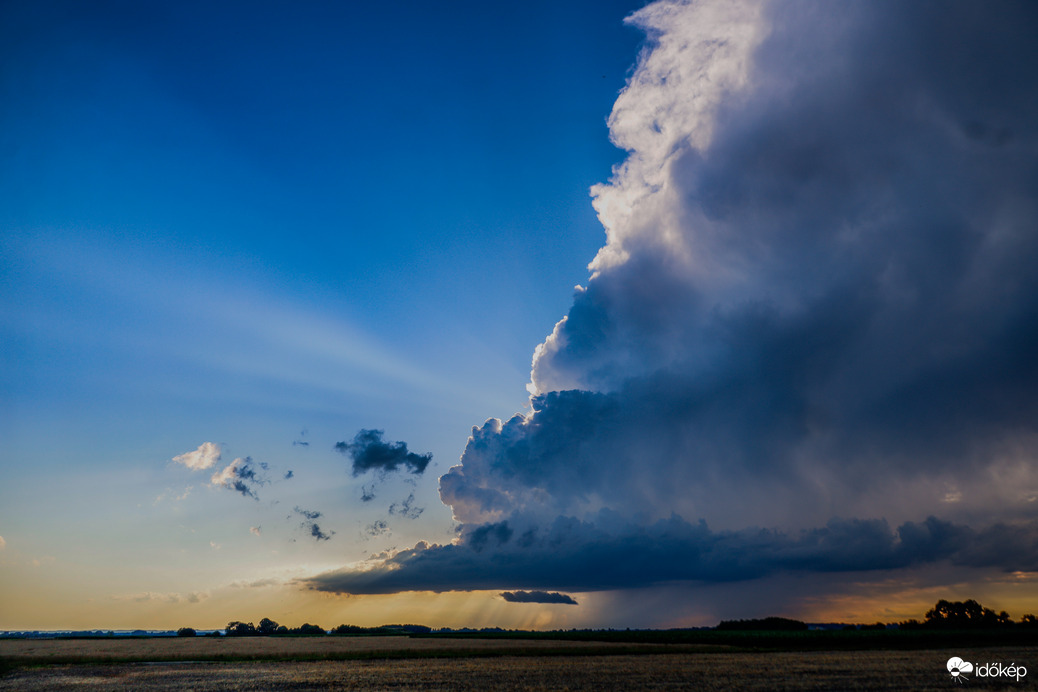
268	627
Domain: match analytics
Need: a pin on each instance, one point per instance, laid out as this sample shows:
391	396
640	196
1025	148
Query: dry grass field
485	665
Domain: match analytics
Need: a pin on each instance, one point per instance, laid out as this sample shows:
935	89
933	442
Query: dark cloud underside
537	597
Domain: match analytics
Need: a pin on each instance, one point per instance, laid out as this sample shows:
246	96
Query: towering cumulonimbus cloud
817	286
817	299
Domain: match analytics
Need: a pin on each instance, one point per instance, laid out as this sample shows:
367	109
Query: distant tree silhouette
1029	620
307	628
241	629
267	627
186	632
964	615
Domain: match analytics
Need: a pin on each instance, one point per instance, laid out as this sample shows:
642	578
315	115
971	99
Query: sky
579	314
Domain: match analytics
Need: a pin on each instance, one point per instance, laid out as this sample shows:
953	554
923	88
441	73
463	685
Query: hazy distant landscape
768	653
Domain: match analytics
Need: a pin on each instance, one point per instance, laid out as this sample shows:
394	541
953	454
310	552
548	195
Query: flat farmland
168	649
469	664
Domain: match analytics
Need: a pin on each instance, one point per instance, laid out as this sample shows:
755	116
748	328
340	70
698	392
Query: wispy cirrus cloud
170	597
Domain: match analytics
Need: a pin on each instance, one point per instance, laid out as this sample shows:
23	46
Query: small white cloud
3	543
207	454
214	545
255	530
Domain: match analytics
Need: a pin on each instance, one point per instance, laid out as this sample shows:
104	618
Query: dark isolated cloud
817	298
406	508
289	474
309	524
367	493
242	475
537	597
368	452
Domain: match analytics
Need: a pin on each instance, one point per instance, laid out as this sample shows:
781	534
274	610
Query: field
401	663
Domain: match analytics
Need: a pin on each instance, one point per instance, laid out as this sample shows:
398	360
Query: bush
186	632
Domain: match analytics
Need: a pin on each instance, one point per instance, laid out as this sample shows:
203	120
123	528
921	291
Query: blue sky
180	178
238	222
795	378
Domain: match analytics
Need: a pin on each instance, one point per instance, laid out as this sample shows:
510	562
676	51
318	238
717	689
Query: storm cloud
817	298
369	452
817	290
579	556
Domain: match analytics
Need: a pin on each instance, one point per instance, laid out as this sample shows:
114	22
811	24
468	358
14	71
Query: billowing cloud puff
370	453
537	597
3	543
241	476
817	298
207	454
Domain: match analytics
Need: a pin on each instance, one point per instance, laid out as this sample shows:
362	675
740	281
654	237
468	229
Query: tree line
945	615
270	628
